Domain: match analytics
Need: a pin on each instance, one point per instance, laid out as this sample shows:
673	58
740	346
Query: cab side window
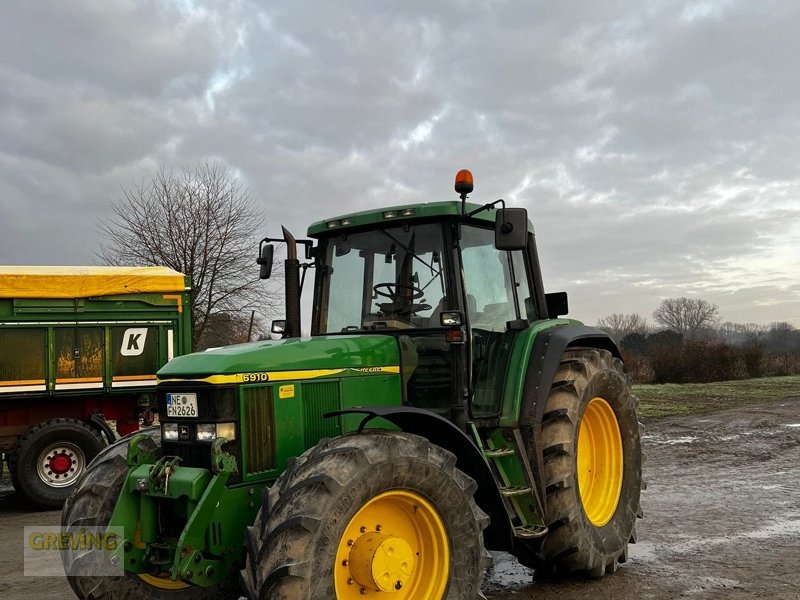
496	281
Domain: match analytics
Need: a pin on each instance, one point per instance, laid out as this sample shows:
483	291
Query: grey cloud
653	143
133	48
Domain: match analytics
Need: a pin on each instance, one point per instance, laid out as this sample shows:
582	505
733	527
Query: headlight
227	431
206	432
169	431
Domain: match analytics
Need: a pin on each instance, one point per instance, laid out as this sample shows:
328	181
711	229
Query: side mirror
278	327
265	260
557	304
511	229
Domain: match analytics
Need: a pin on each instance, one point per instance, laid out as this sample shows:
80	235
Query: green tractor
440	408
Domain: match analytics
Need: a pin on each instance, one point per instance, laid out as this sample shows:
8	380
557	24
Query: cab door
498	304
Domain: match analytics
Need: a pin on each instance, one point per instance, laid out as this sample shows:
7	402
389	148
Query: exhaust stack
292	281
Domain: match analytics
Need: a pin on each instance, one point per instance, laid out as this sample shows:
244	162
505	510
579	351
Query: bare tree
738	334
688	316
782	336
619	326
199	221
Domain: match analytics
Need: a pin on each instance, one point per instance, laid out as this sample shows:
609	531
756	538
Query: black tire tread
26	481
296	511
571	544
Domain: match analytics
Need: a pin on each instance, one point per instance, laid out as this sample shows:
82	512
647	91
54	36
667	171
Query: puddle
687	439
506	573
643	552
788	525
714	583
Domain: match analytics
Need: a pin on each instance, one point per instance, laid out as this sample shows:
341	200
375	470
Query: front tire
90	505
593	465
375	514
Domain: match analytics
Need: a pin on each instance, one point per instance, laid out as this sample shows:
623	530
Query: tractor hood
294	354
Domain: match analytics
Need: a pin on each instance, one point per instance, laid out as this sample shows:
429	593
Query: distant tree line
688	344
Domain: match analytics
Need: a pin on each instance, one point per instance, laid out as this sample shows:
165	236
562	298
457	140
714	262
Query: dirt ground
722	519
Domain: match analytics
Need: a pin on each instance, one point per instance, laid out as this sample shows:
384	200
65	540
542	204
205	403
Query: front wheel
593	465
376	514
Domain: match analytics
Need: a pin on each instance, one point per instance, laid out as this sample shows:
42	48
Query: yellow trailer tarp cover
86	282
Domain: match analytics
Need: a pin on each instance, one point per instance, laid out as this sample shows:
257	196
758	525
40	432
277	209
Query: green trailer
441	407
79	347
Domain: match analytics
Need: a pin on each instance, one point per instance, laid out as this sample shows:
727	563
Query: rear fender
545	356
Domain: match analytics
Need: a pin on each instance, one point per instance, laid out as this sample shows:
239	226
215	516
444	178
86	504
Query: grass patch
695	398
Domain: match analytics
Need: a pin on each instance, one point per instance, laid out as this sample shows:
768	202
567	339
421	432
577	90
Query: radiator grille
318	398
259	419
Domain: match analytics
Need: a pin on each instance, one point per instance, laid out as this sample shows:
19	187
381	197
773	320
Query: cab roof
404	212
87	282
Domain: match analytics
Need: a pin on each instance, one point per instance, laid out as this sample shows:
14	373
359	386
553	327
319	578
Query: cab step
499	453
514	490
529	532
504	451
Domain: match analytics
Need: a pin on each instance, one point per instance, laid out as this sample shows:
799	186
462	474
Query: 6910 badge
181	405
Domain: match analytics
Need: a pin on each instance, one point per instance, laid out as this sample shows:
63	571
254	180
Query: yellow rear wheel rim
599	462
395	546
163	582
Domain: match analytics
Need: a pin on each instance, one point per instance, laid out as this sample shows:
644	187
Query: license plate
181	405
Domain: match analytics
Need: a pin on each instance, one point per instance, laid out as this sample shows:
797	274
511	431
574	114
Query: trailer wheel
376	514
593	465
90	505
50	457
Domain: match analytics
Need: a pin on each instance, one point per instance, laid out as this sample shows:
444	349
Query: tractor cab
453	282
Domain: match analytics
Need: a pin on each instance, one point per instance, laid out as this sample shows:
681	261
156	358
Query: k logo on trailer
133	341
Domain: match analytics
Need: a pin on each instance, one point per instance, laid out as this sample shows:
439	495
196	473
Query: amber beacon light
464	183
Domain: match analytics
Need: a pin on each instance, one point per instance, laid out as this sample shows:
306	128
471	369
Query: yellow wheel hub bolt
382	562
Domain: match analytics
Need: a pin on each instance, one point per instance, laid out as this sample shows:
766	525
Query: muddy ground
722	519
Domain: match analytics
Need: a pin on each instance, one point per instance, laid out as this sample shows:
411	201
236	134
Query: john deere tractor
440	408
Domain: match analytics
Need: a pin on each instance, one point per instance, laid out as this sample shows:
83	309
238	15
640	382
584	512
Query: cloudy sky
655	144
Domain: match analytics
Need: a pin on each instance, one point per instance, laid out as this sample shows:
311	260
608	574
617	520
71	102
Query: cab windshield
391	278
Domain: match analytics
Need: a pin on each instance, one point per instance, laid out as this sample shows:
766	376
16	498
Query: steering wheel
392	289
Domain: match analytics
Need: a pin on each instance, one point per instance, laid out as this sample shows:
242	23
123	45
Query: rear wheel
377	514
592	459
91	505
51	457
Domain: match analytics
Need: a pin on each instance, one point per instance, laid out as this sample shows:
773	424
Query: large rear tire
376	514
593	465
90	505
50	458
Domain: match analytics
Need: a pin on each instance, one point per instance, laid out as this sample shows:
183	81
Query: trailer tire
590	421
326	521
50	458
90	505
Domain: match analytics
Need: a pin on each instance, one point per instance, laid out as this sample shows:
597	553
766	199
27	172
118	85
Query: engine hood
295	354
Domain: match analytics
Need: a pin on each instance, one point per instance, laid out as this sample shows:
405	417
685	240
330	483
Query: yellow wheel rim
163	582
599	462
396	545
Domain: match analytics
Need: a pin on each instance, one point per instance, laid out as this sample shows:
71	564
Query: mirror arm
305	267
501	202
